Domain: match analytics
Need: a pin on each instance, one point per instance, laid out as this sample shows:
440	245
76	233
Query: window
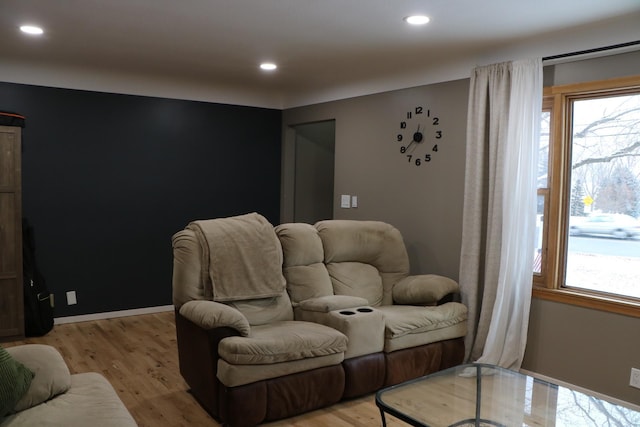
588	231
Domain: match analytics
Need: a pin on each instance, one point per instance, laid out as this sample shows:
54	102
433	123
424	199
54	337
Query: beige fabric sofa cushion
307	281
90	401
456	330
236	375
375	243
409	326
51	377
301	244
358	280
282	342
331	303
423	289
303	267
265	310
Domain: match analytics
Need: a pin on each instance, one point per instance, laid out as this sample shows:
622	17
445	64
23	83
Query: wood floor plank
139	356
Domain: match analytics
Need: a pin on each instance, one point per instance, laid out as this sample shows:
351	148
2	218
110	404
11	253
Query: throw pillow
52	375
15	379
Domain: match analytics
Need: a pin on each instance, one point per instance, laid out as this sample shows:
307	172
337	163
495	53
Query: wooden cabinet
11	291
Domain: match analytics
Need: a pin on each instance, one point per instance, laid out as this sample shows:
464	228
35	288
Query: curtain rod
594	50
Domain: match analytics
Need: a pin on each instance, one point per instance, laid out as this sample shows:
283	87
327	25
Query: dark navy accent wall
108	179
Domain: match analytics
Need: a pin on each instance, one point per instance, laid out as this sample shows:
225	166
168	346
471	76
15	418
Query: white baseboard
112	314
582	390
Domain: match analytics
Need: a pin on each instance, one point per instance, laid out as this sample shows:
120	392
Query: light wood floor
138	355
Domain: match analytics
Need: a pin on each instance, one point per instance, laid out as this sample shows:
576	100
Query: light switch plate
634	381
345	201
354	201
71	298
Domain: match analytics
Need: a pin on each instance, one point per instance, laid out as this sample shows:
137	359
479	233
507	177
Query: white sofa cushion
15	379
90	401
51	377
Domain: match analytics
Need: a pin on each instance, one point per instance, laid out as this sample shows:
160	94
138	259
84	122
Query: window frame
548	284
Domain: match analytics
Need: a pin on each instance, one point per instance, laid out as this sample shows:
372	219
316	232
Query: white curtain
496	261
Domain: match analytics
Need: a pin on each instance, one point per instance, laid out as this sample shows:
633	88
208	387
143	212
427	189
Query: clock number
409	156
436	121
427	157
435	148
403	149
418	110
408	114
403	125
399	137
417	162
438	134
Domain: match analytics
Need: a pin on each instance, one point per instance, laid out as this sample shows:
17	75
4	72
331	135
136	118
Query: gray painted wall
590	348
424	202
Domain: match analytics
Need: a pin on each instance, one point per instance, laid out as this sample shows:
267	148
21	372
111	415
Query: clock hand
417	138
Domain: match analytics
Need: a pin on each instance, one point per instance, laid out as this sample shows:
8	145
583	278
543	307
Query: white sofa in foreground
57	398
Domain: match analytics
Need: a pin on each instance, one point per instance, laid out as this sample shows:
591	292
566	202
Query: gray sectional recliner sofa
276	321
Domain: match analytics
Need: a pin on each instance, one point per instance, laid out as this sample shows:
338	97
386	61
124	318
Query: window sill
627	307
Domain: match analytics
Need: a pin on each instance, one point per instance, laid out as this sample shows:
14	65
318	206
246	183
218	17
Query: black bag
38	313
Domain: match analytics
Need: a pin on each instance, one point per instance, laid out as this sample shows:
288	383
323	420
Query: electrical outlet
71	298
634	381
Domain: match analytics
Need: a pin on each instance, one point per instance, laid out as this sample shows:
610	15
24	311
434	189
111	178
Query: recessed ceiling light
31	29
268	66
417	19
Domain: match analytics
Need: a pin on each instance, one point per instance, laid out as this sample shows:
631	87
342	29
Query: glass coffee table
485	395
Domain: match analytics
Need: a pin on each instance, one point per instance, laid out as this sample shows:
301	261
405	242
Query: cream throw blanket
242	255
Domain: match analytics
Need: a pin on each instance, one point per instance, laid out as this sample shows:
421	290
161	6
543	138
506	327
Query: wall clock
419	136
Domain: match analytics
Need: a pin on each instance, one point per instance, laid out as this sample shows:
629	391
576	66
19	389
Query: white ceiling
322	47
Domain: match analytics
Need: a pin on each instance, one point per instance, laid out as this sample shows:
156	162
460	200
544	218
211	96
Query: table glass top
485	395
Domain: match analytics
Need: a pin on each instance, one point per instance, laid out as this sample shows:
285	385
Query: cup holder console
363	326
357	310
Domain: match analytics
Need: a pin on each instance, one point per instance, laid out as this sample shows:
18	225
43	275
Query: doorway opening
313	171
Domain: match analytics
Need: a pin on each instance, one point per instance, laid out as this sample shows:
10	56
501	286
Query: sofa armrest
210	315
424	289
198	341
331	302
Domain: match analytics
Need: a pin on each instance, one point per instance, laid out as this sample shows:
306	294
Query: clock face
419	136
